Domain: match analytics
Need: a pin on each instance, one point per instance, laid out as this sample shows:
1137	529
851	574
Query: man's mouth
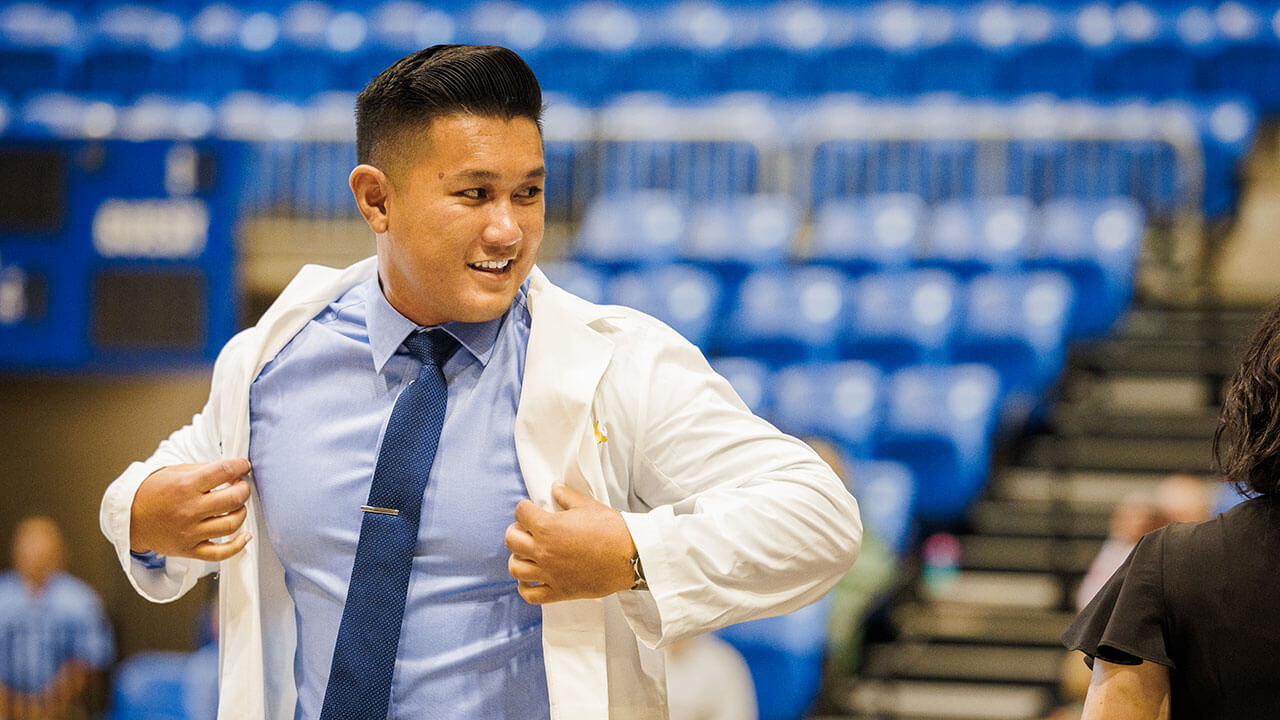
491	266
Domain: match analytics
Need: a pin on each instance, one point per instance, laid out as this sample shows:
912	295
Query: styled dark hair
441	80
1246	445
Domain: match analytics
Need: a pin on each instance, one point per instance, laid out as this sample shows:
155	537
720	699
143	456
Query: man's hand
177	512
583	552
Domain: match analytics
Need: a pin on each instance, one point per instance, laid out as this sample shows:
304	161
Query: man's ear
371	188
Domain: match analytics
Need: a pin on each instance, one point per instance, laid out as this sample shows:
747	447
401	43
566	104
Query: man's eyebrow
537	172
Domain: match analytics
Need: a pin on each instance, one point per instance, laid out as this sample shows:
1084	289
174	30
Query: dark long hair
1246	445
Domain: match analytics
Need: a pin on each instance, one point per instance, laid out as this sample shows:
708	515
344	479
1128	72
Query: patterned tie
365	655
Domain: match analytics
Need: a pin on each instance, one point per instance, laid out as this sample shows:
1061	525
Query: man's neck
36	584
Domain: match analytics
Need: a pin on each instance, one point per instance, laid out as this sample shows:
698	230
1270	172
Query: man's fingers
217	552
225	500
529	515
211	475
536	594
524	570
223	525
519	541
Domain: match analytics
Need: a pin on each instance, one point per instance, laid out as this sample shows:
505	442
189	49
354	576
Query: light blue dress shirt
470	647
40	633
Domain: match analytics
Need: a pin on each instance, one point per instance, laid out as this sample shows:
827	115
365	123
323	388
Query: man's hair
483	80
1246	445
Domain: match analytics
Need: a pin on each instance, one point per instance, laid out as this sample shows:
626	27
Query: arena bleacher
885	223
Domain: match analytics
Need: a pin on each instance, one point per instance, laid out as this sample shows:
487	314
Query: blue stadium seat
647	144
939	422
215	60
761	67
1096	244
784	654
395	29
862	68
739	234
750	378
786	316
871	233
132	49
1249	69
626	231
841	401
1150	60
886	494
971	236
682	72
148	686
577	278
959	65
585	73
1017	323
1227	130
1061	66
686	298
316	44
901	318
37	47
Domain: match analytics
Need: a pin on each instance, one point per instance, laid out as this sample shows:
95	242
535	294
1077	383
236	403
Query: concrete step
1139	355
1082	491
1027	554
964	663
951	622
1121	453
1084	419
995	589
1039	518
909	700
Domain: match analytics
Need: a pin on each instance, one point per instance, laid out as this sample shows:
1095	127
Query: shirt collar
388	328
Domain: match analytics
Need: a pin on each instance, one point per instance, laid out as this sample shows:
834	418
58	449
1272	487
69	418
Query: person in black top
1189	626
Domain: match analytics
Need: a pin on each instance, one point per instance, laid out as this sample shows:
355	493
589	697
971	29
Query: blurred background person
708	680
53	633
1180	497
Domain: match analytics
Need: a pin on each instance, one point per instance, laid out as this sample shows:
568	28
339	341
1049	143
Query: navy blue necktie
365	655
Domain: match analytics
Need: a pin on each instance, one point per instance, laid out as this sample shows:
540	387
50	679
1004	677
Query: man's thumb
568	498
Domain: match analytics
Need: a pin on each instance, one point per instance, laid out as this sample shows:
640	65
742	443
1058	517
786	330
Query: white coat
733	520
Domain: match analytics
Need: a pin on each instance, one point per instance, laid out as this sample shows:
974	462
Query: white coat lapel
564	362
563	366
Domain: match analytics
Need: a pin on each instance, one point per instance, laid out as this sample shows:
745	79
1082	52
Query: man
52	629
399	414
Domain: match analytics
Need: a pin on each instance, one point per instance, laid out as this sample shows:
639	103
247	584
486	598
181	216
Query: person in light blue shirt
53	632
408	563
468	641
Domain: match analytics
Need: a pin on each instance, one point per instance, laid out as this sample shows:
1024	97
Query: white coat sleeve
194	443
747	522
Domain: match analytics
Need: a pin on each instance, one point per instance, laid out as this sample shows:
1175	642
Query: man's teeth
492	264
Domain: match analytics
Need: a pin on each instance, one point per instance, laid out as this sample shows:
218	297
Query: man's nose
503	227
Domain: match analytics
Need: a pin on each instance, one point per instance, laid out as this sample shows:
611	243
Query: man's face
37	549
464	219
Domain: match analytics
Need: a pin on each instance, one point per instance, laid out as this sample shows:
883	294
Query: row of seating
593	49
737	251
1171	157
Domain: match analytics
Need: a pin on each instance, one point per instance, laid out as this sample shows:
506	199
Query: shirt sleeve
1125	621
746	522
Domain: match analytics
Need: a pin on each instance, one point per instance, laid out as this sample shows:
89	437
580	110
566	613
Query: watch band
640	583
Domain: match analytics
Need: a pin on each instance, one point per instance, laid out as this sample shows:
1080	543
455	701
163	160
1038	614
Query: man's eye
531	192
474	194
